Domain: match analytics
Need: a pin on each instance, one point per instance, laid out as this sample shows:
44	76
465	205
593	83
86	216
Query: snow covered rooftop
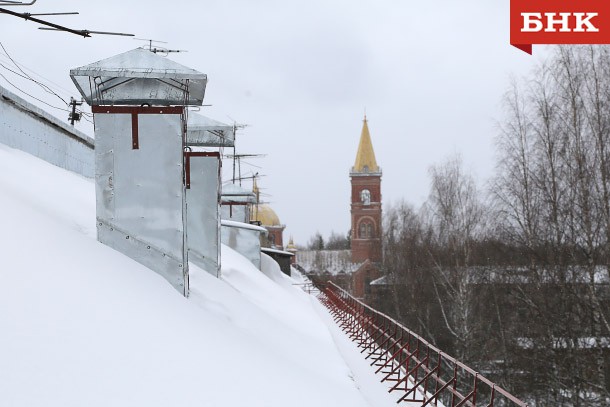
87	326
327	261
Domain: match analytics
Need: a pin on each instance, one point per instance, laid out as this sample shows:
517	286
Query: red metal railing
419	371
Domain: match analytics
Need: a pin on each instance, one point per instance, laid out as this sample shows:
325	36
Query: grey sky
300	73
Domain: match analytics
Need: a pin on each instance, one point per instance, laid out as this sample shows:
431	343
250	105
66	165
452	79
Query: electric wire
55	86
83	114
33	97
45	87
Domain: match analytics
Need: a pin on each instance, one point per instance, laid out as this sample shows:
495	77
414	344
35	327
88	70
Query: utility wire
55	86
33	97
42	85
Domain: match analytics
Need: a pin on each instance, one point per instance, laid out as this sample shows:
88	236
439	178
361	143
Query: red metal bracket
134	111
134	131
187	163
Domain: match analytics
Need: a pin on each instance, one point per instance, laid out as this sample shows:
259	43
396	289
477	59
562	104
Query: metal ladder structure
413	368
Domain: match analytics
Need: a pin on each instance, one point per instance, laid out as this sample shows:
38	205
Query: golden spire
291	247
365	158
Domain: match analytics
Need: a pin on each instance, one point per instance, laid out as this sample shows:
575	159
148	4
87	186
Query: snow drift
83	325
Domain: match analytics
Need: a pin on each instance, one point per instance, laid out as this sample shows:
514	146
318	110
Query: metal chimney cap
138	63
139	77
206	132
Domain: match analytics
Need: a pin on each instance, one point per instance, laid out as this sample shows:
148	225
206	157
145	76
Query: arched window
362	231
365	230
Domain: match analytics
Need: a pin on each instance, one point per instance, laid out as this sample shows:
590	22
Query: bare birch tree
552	192
456	216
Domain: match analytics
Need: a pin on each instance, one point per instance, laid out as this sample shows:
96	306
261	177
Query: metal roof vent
205	132
141	171
139	77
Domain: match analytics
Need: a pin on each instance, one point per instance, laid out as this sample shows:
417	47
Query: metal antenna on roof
49	25
237	160
166	51
150	42
236	126
158	50
15	3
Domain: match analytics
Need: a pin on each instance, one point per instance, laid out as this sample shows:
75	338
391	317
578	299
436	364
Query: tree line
513	278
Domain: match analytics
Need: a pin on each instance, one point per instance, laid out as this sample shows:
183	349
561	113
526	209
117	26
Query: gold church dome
265	215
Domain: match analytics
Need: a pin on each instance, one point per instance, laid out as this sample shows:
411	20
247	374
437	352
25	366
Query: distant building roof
282	252
380	281
265	215
519	275
327	261
241	225
262	212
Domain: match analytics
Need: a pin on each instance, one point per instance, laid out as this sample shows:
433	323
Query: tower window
365	231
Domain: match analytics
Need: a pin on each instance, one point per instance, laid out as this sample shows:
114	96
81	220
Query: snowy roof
327	261
516	275
270	250
379	281
583	342
139	76
521	275
90	327
206	132
242	225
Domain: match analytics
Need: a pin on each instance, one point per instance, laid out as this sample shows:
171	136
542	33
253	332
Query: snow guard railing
419	371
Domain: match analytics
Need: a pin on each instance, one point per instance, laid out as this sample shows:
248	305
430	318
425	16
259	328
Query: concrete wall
26	127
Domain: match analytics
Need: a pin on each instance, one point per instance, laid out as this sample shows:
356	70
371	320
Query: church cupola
366	202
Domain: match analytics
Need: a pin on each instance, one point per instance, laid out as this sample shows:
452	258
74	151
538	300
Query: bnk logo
564	22
559	22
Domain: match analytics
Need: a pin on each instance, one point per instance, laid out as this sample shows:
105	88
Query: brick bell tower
365	177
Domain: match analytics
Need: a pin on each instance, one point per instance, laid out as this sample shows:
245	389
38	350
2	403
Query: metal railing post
377	334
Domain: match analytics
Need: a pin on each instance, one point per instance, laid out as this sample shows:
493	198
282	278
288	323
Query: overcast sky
431	76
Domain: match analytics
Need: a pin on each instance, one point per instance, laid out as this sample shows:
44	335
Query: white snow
242	225
83	325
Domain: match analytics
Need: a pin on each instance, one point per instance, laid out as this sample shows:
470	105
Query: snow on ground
83	325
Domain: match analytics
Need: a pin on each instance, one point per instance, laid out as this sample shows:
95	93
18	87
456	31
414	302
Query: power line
75	114
33	97
43	86
58	87
38	83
